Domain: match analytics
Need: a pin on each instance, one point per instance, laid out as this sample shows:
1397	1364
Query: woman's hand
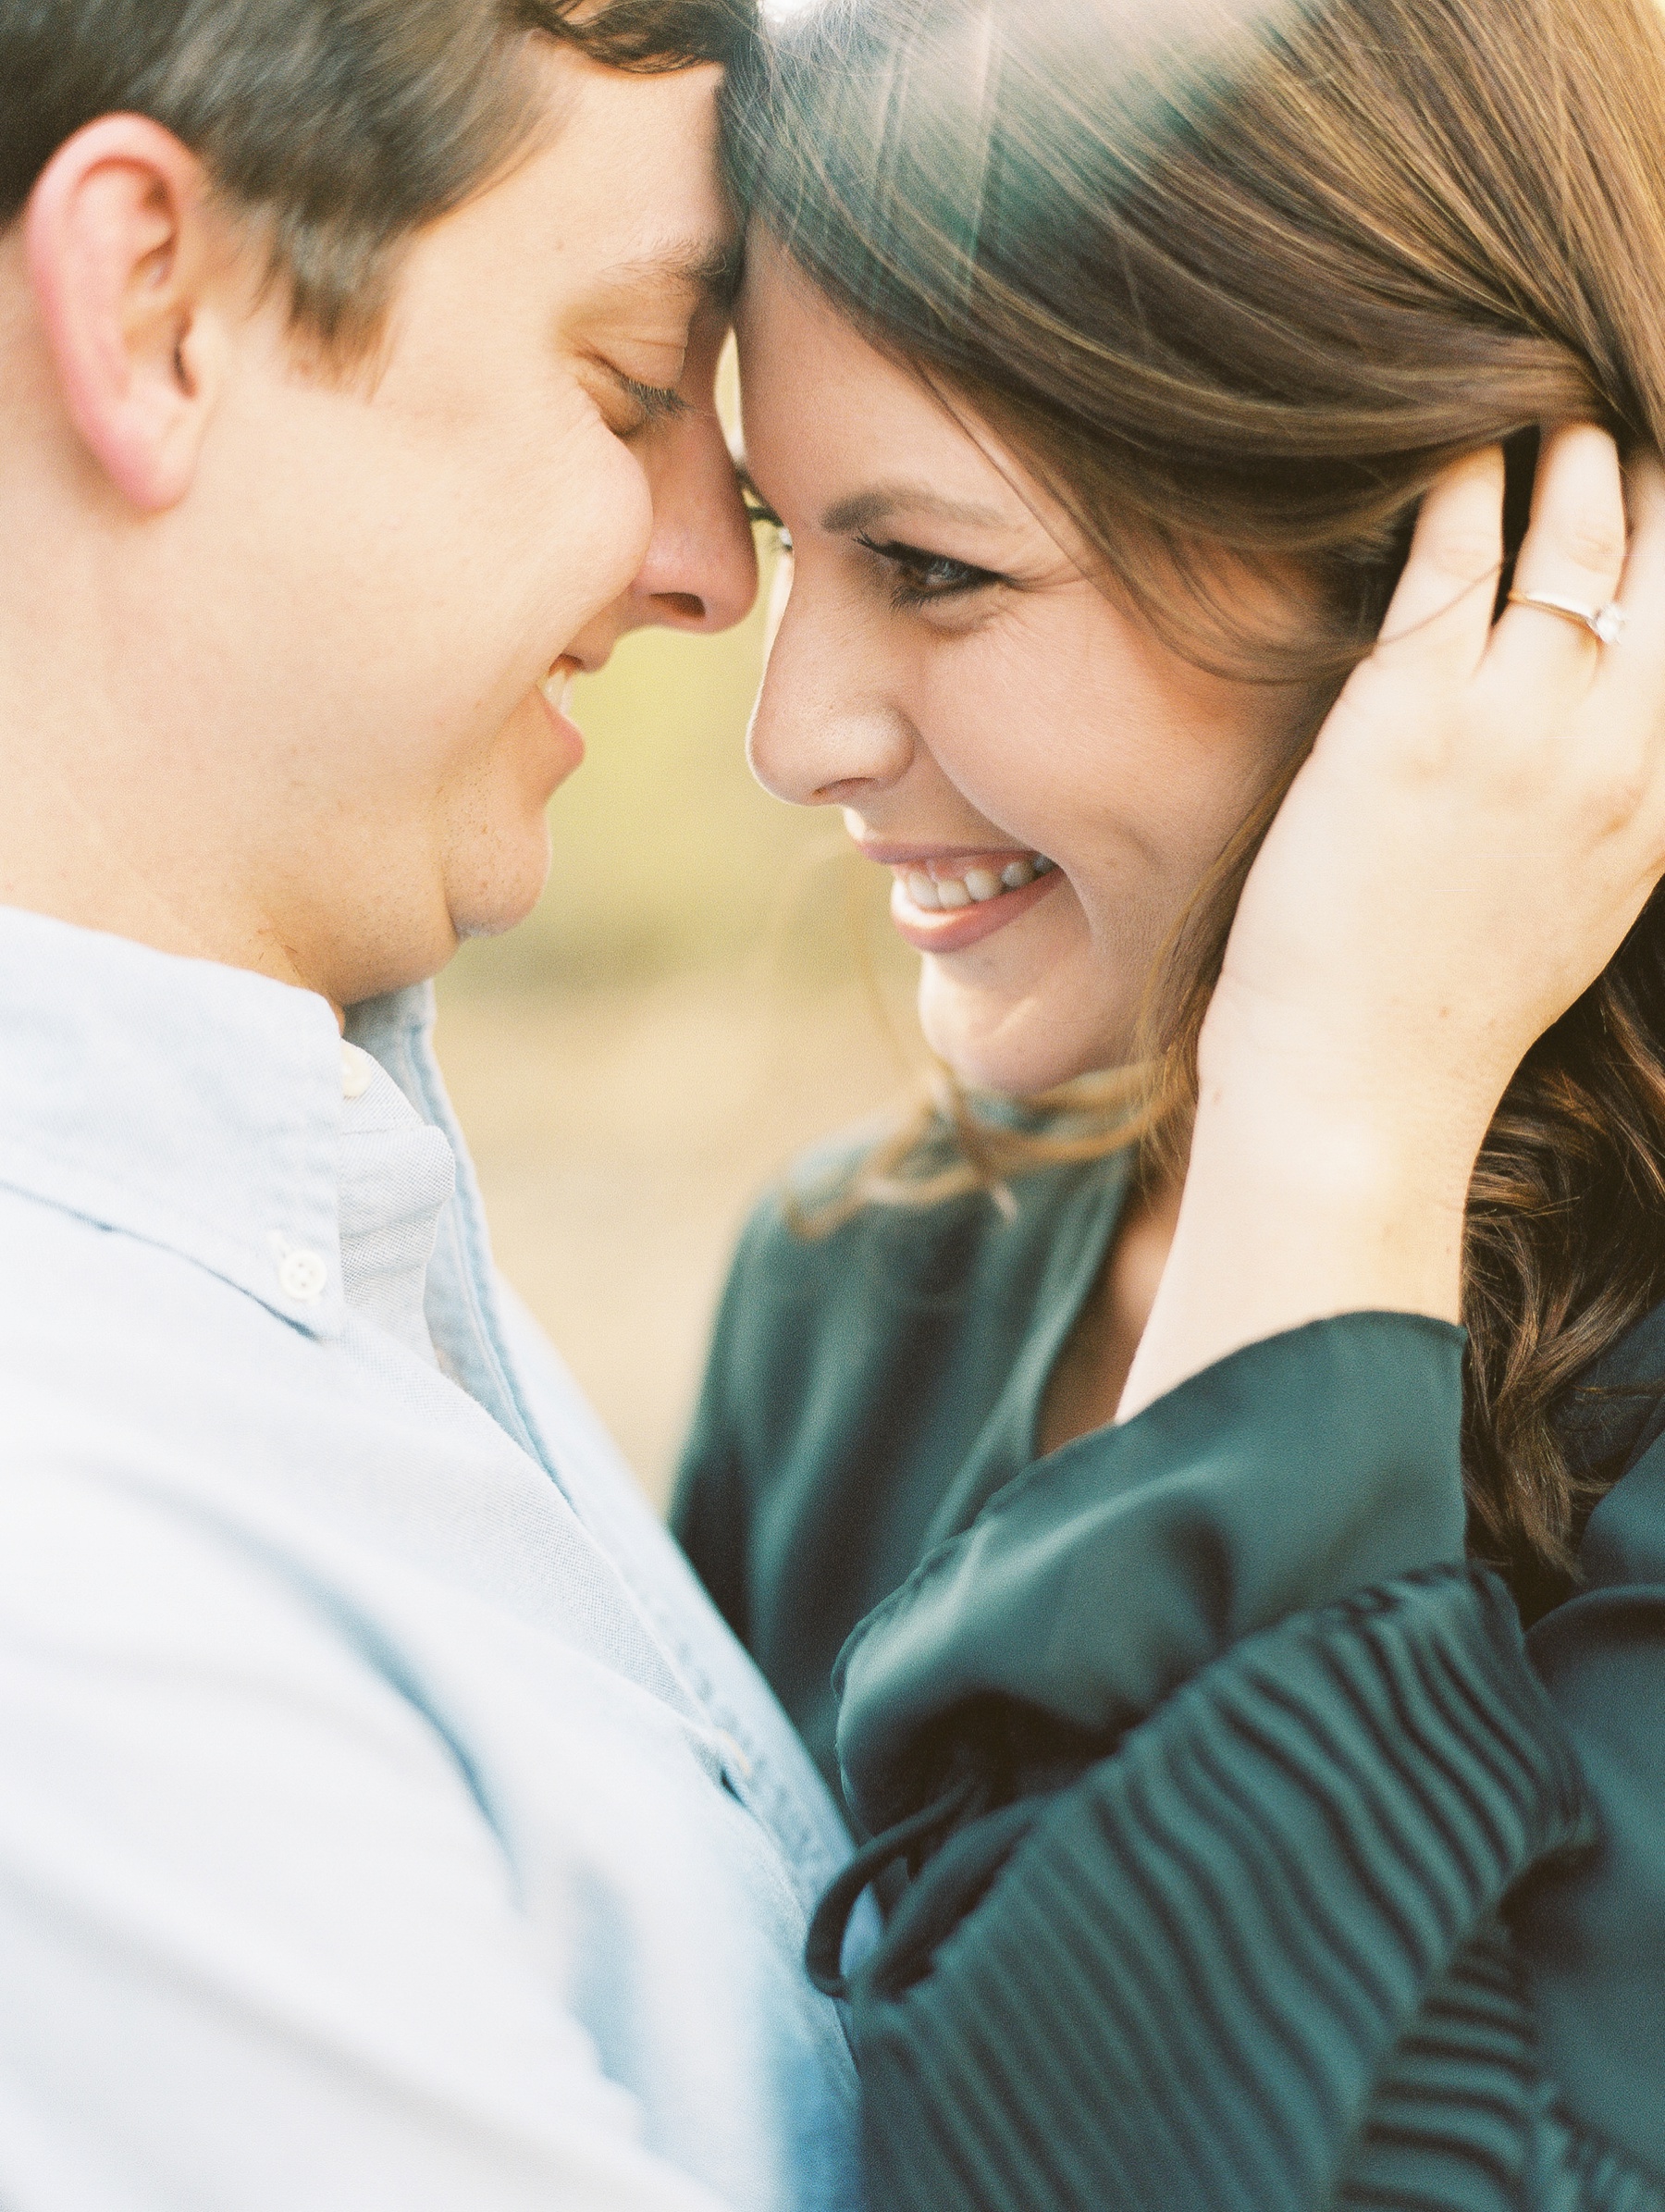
1480	822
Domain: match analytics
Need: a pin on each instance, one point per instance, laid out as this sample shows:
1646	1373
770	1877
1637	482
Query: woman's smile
944	899
991	743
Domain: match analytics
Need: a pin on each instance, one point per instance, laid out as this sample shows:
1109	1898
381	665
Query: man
385	1818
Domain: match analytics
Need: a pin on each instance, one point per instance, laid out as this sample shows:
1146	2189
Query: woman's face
1047	783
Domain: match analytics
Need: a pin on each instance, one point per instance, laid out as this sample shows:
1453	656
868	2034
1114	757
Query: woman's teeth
975	887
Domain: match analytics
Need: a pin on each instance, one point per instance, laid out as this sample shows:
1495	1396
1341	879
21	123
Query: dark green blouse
1255	1860
865	1393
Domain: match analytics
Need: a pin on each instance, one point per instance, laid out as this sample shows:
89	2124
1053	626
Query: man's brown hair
341	126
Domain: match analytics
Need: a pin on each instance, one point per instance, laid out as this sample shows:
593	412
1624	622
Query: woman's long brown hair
1247	275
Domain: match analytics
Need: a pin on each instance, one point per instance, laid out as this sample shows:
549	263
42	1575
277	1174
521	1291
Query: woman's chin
1016	1050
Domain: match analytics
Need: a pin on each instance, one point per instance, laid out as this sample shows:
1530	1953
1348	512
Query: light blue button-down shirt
386	1819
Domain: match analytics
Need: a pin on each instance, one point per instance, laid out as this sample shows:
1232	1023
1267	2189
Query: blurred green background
708	985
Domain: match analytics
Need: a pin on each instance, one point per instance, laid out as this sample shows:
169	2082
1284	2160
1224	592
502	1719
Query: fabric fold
1299	1470
1203	1976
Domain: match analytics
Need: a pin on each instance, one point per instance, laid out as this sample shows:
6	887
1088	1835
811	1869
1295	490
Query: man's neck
88	836
65	862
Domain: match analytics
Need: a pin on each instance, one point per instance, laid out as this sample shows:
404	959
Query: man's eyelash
919	579
759	511
659	402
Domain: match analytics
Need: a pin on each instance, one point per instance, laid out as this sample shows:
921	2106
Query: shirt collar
193	1106
398	1175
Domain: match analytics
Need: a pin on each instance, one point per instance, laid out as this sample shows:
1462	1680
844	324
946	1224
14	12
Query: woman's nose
823	733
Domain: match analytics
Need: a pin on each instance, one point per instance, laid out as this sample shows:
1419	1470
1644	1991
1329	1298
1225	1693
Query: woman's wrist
1295	1212
1369	1145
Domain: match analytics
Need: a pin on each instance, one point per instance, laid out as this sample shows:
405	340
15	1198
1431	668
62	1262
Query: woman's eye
919	579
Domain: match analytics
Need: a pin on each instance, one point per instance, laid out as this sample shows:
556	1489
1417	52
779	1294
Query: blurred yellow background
707	986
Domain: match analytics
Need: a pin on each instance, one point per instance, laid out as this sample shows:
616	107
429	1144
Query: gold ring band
1605	624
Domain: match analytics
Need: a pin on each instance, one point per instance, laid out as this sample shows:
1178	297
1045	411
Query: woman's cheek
1052	1000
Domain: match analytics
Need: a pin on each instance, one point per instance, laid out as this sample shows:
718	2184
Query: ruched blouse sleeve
1257	1862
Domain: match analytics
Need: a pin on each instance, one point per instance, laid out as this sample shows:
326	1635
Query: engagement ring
1606	623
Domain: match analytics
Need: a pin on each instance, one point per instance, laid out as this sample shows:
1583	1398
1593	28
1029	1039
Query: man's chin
501	897
483	893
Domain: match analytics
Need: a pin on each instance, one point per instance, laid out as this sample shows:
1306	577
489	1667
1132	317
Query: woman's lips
942	903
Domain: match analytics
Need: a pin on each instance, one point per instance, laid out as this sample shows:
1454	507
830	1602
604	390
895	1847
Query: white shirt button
358	1071
303	1276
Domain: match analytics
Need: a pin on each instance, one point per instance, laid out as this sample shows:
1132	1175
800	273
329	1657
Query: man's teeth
947	893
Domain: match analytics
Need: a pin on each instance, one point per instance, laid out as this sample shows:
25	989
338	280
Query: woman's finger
1574	551
1638	659
1442	611
1628	696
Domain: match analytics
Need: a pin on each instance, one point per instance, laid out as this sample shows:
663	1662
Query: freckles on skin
493	831
522	385
296	718
1020	712
1127	767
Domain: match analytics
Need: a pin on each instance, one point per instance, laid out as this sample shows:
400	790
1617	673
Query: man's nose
701	568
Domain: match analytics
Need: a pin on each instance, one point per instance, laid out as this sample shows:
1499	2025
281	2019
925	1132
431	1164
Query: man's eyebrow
867	509
706	266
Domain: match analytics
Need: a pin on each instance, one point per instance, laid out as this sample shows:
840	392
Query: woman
1104	365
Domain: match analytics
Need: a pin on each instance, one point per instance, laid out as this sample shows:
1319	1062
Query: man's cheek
621	525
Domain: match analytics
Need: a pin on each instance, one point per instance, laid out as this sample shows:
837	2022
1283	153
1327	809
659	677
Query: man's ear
118	239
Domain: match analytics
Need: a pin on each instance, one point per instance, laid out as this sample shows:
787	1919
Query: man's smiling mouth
556	687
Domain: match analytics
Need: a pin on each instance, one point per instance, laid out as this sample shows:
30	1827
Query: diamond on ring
1609	622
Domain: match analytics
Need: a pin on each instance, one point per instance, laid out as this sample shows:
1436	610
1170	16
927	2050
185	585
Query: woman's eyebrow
867	510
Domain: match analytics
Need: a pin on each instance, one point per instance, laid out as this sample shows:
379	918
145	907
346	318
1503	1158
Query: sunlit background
707	986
